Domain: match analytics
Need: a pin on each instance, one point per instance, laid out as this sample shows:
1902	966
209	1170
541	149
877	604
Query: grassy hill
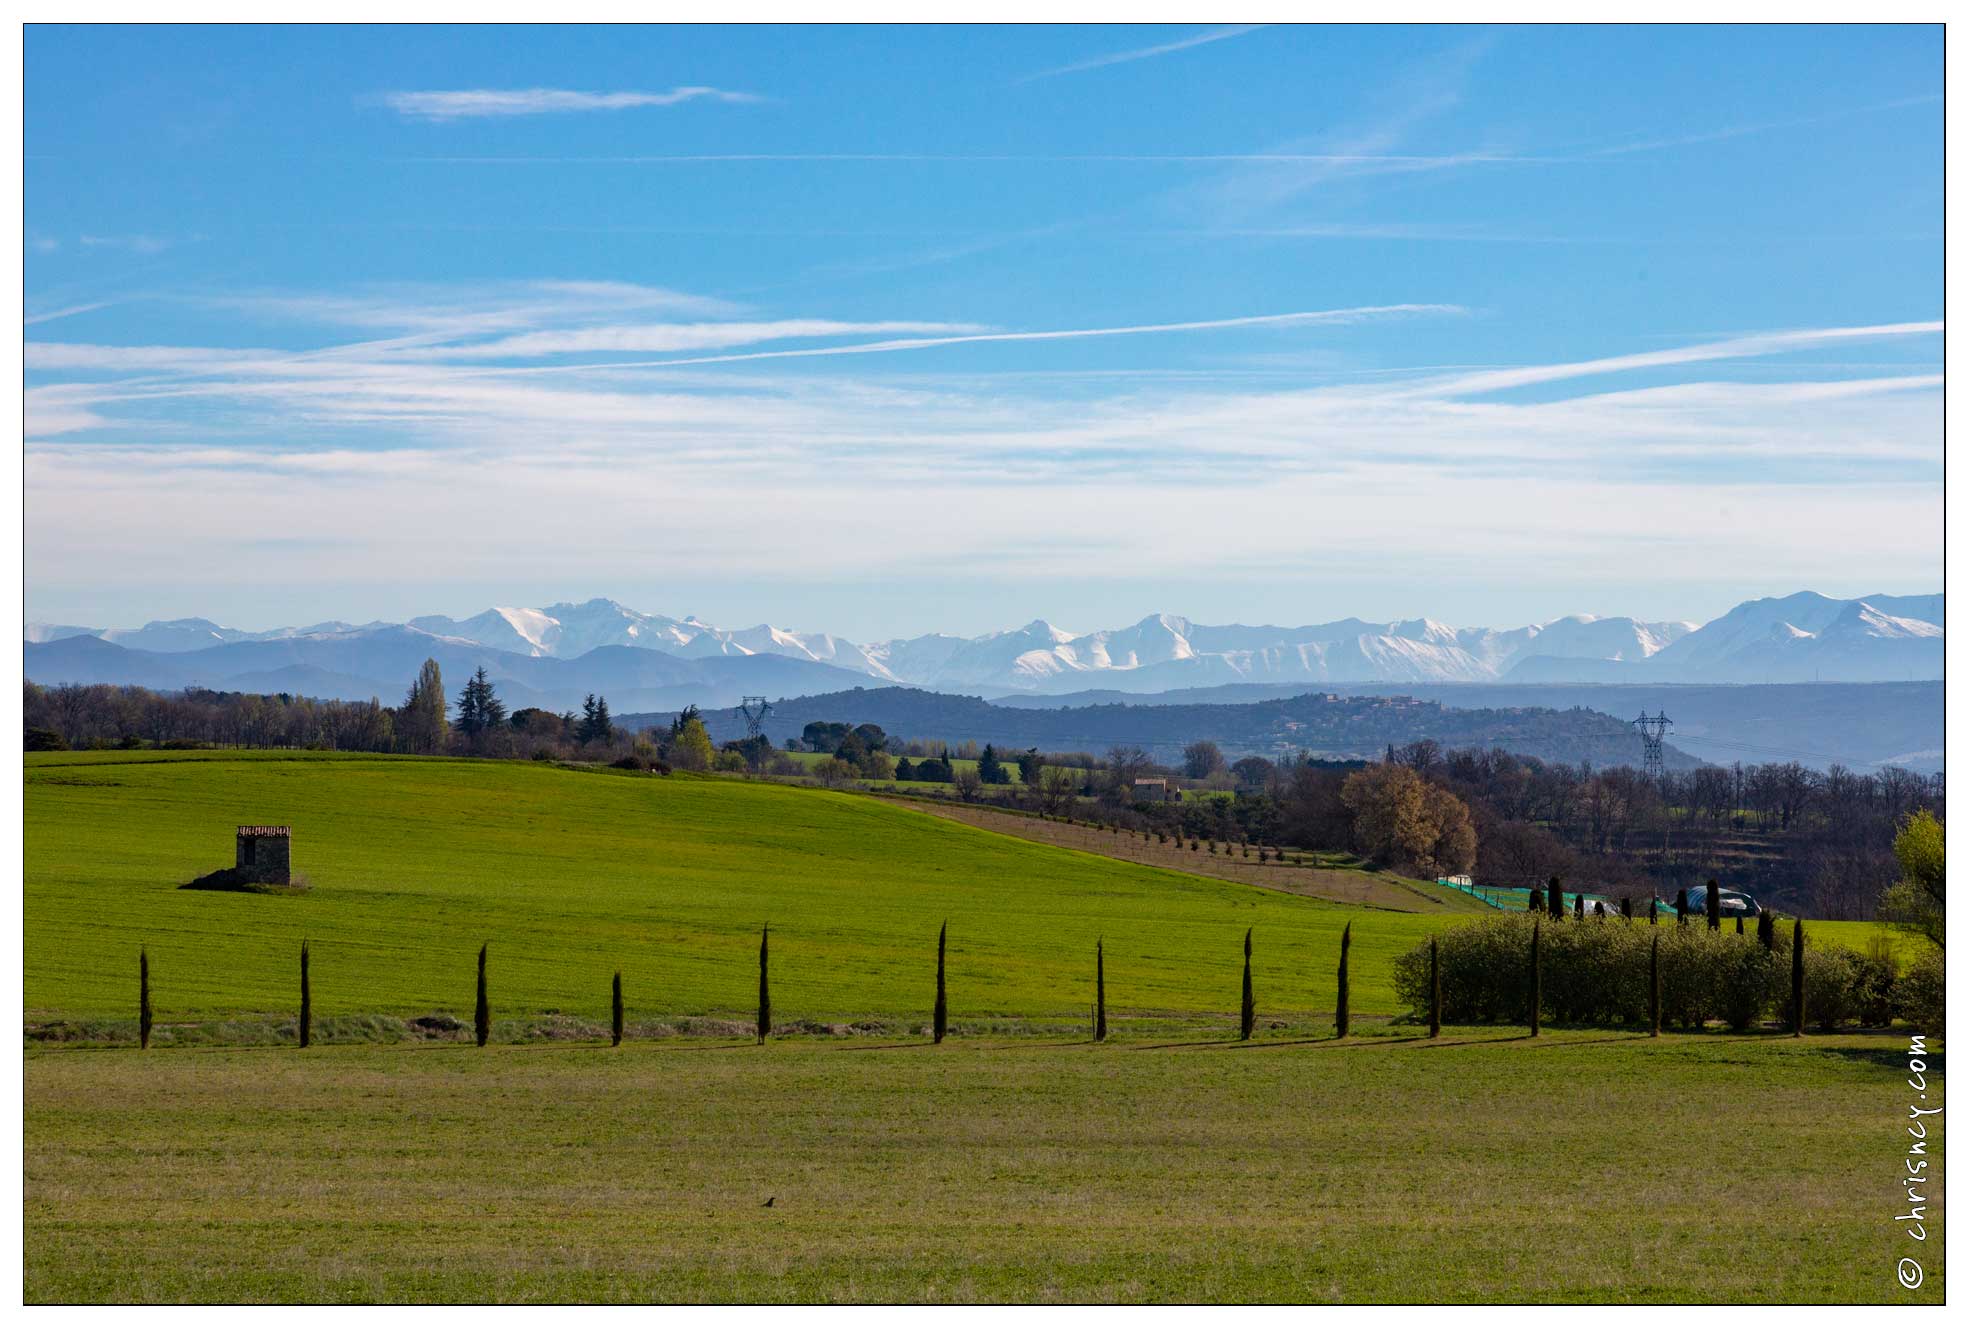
572	874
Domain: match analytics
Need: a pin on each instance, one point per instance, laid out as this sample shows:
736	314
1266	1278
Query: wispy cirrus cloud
475	103
499	411
1144	52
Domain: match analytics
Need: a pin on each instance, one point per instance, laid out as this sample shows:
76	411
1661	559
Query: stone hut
262	854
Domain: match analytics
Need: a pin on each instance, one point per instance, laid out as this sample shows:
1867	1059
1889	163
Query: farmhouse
262	854
1152	789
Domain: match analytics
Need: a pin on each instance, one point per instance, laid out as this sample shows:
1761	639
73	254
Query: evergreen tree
1654	910
1555	898
1627	906
596	725
765	992
1100	995
1537	980
1579	906
1797	977
1681	905
1340	1012
1248	1010
990	769
143	997
1435	991
1654	987
940	1017
1739	925
904	770
1767	930
1536	904
421	723
1712	902
482	1011
306	1023
1031	767
615	1012
479	709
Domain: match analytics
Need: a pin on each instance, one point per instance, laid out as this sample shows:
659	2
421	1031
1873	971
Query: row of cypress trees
940	1015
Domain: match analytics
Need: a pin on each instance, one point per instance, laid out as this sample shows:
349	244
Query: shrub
630	763
1918	993
1592	974
1829	974
1873	984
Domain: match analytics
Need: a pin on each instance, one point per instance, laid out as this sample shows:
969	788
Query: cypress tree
1681	905
1100	995
765	994
1435	992
307	1007
1712	900
1536	904
1767	931
1739	925
1797	977
1627	906
1340	1012
940	1018
615	1012
1579	906
1248	1011
143	997
1555	898
481	1011
1599	909
1654	987
1537	981
1654	910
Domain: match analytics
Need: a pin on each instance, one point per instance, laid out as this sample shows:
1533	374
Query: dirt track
1342	887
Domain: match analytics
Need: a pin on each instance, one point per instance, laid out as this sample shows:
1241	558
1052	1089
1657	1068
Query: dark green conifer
1579	906
1435	991
306	1023
1536	904
1248	1010
940	1018
1100	995
1681	905
1555	898
143	997
1627	906
1739	925
615	1012
1712	901
1340	1012
1797	977
482	1010
1767	929
765	993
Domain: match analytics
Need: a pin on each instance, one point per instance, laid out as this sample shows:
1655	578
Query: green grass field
572	874
1580	1167
1173	1164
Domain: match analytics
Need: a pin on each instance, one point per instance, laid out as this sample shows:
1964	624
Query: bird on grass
769	1202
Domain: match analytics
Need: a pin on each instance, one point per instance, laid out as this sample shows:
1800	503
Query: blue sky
1488	325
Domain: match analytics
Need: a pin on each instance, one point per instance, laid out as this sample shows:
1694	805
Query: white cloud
1145	52
402	456
470	103
135	244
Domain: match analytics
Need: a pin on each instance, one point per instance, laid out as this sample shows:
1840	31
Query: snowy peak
1787	639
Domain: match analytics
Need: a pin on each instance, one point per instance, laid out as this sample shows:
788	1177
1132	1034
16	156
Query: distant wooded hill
1322	724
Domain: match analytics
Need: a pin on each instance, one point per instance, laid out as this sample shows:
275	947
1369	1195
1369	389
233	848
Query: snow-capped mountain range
1797	638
